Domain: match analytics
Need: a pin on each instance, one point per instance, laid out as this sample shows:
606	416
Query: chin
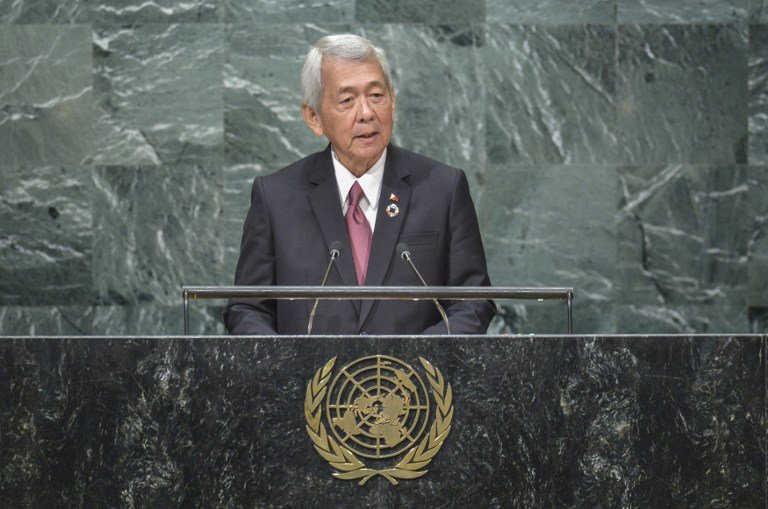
373	154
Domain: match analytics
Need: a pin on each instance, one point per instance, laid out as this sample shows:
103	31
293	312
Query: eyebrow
375	83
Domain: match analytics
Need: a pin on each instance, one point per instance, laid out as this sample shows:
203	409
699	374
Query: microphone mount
405	254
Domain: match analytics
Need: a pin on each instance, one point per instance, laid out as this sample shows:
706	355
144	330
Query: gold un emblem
378	409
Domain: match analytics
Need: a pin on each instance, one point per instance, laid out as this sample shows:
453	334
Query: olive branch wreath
348	465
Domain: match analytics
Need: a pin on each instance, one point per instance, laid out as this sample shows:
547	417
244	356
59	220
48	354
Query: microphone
334	253
402	252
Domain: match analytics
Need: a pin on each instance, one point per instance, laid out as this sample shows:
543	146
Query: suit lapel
324	199
388	228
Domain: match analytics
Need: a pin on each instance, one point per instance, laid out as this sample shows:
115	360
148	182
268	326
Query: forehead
342	74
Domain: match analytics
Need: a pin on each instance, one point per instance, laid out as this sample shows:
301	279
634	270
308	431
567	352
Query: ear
312	119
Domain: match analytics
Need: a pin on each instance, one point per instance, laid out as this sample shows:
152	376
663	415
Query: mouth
367	136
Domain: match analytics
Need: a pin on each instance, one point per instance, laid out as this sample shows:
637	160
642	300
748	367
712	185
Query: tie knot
355	193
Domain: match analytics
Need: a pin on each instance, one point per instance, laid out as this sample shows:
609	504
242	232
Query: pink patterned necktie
359	232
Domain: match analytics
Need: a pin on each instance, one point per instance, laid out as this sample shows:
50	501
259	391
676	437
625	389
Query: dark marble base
621	421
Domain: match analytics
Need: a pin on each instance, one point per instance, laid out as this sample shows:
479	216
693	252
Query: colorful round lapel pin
392	209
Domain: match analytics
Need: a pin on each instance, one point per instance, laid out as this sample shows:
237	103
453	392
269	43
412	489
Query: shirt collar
370	181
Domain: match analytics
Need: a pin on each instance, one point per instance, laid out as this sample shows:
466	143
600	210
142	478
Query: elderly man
365	196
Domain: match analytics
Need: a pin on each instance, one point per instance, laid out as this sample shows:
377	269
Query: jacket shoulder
422	168
295	177
299	170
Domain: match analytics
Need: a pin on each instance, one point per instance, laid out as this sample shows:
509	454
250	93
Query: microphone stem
334	255
437	304
418	274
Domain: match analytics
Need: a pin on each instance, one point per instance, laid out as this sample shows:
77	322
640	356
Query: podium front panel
519	421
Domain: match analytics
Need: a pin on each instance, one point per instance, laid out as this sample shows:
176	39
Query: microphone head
335	250
402	251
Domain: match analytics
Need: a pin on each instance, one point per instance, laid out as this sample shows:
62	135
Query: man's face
356	112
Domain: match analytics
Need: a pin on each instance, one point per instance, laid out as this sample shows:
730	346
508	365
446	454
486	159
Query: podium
537	421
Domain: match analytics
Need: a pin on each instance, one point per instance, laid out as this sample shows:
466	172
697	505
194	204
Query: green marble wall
618	146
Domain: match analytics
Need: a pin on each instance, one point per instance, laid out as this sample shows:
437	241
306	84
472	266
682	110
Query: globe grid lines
390	375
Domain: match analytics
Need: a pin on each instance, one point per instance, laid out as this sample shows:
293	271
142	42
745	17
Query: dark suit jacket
296	214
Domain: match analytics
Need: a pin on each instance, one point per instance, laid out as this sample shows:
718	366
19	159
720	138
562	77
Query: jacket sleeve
466	266
255	267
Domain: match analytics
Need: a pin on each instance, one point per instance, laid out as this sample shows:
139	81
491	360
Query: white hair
342	47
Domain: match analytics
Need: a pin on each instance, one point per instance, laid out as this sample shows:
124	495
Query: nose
364	112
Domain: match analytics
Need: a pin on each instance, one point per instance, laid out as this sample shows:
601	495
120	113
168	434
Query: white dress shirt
370	182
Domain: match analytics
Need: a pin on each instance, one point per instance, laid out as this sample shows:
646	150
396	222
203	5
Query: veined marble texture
290	11
627	11
683	96
166	319
154	11
43	11
660	318
682	11
561	12
758	11
758	94
683	235
46	235
550	94
757	243
435	12
438	80
60	320
155	230
534	240
46	95
81	320
114	11
262	94
159	93
574	421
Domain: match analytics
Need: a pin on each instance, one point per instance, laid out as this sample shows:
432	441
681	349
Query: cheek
344	126
387	116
